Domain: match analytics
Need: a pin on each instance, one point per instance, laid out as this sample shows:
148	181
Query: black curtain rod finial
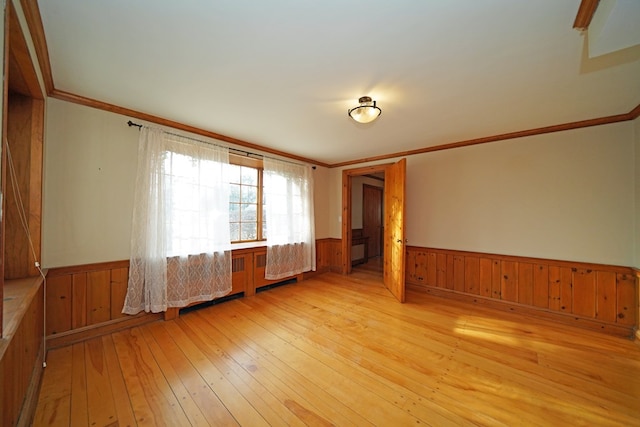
130	123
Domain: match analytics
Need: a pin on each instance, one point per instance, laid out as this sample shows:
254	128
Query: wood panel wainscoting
86	301
594	296
328	255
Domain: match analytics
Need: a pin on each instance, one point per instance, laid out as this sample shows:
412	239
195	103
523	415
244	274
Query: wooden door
394	250
372	218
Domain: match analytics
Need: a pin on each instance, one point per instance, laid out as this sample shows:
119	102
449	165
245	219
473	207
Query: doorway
393	222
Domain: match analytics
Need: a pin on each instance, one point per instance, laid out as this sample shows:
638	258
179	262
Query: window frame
238	160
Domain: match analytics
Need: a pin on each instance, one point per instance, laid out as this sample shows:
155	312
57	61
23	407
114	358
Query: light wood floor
340	351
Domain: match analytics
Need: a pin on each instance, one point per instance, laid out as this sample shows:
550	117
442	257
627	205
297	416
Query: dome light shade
366	112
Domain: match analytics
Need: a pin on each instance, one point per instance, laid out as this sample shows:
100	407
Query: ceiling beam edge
34	22
585	14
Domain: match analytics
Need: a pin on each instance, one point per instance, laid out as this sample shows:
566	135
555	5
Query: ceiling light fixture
366	112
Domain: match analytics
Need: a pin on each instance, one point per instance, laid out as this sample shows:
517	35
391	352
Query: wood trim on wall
585	14
36	29
22	72
631	115
594	296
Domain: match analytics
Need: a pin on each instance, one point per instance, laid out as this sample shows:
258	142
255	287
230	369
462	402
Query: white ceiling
282	74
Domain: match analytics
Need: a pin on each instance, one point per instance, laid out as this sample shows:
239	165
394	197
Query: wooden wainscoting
86	301
595	296
329	255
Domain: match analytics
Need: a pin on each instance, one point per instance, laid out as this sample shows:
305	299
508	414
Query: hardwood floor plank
333	408
379	411
119	389
206	399
231	398
284	386
407	366
54	404
273	410
100	404
190	408
311	342
151	396
339	350
79	404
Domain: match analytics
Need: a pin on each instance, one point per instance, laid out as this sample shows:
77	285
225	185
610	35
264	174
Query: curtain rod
235	150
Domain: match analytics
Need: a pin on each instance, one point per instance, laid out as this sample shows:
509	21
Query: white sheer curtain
180	244
291	246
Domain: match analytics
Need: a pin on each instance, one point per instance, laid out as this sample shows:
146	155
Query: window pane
249	230
234	212
235	231
249	176
234	193
249	194
249	212
244	203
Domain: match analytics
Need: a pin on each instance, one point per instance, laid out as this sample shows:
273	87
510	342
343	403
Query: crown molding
585	14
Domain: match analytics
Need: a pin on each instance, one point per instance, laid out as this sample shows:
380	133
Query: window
246	203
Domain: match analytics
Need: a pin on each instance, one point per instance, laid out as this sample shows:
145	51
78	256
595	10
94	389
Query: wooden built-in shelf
18	294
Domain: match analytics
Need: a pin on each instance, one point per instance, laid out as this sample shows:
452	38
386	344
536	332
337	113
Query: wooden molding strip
31	396
88	102
76	269
633	114
81	334
585	14
36	29
25	71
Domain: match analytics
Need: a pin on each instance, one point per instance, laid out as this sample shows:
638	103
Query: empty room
328	213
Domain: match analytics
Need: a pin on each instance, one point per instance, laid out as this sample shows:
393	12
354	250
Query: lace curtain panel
180	244
288	190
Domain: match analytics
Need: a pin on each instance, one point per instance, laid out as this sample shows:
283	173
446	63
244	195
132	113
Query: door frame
347	175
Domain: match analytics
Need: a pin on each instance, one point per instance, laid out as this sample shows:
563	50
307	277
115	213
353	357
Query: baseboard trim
31	397
82	334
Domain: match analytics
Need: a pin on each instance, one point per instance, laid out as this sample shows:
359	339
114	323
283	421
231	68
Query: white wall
566	195
90	163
